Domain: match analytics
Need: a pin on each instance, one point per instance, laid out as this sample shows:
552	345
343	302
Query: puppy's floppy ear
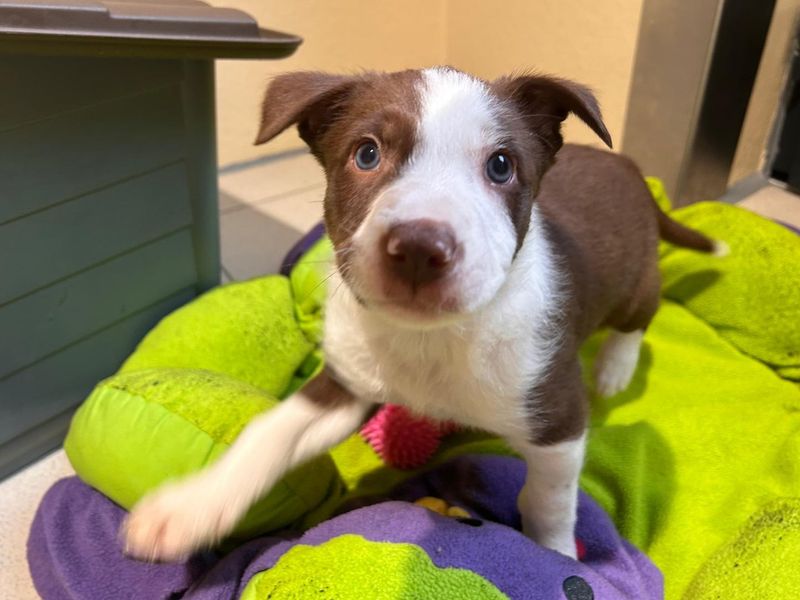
309	99
546	101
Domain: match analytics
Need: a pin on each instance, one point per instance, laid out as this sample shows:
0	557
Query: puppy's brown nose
420	251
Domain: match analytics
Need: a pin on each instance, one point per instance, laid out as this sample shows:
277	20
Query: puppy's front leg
181	517
548	501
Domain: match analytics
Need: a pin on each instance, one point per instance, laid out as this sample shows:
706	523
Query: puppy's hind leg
616	362
182	517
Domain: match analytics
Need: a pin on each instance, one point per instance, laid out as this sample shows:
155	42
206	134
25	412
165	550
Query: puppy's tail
680	235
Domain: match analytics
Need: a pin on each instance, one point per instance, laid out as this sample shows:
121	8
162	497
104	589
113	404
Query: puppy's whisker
320	284
327	261
333	295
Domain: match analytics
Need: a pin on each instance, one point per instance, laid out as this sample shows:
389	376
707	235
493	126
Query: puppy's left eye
499	168
367	156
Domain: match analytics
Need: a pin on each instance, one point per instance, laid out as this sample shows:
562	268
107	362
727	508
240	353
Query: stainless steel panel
694	70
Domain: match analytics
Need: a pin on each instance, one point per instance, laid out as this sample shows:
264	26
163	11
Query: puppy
473	256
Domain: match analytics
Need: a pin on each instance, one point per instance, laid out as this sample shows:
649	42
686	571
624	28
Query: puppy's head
432	176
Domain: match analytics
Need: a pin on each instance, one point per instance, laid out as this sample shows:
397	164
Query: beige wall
590	42
345	35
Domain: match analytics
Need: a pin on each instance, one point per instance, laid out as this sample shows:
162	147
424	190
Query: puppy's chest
477	378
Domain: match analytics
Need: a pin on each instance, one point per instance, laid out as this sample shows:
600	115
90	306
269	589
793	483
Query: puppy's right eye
367	156
499	168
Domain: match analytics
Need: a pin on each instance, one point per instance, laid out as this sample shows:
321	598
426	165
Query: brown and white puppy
473	257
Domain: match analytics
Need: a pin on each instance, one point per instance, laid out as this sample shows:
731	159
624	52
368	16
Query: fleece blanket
388	550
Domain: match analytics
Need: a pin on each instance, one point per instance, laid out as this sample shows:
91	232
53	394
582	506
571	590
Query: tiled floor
775	203
264	208
263	211
19	497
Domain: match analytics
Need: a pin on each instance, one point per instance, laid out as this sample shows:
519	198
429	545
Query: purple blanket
74	553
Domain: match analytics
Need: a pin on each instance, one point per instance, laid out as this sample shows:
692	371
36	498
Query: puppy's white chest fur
479	372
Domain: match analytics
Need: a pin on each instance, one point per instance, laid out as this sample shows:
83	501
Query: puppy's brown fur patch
535	106
602	224
334	115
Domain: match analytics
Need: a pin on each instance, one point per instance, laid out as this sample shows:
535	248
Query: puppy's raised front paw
176	520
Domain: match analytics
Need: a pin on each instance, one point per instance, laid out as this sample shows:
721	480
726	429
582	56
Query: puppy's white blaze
459	127
444	180
459	120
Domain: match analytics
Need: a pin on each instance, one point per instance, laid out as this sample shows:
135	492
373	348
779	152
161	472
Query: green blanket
699	459
703	439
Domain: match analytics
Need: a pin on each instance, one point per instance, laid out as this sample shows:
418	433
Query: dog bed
387	550
696	463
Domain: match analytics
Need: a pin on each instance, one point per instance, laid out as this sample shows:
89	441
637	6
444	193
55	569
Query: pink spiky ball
402	439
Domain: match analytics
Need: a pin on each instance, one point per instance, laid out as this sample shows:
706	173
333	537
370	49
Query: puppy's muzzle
420	251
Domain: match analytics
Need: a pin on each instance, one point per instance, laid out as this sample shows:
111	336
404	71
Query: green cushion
192	385
245	330
760	563
140	429
751	296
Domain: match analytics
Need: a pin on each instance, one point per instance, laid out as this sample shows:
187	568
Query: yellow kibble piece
458	513
437	505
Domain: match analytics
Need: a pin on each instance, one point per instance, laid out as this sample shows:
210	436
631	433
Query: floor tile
228	201
20	495
300	211
775	203
224	276
273	178
253	243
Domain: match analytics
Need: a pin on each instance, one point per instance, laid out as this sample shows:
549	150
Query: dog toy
402	439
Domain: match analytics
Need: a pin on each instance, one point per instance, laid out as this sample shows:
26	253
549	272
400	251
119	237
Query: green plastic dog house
108	190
